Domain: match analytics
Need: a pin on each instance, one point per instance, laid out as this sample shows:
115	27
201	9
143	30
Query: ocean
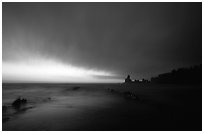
102	107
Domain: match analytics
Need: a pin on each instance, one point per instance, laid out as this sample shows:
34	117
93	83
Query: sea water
87	107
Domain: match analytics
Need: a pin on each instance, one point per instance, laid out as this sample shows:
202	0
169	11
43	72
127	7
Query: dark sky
140	39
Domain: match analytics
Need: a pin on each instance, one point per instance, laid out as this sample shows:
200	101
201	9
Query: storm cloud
141	39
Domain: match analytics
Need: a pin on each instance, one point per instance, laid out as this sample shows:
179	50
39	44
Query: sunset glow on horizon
42	70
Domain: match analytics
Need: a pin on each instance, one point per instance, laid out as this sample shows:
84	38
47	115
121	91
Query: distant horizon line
62	82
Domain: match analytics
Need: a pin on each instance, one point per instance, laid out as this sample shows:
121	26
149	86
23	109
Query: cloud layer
141	39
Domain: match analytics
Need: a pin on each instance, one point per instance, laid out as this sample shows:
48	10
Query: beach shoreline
115	107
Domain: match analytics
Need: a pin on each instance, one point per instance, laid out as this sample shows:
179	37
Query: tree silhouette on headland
192	75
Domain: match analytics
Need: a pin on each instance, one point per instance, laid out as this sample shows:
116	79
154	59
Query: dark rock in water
76	88
114	91
111	90
47	99
130	95
127	93
19	102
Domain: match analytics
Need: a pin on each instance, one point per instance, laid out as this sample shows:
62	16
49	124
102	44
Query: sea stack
128	79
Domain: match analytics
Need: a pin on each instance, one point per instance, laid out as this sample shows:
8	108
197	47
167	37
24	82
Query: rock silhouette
130	95
76	88
19	102
128	79
192	75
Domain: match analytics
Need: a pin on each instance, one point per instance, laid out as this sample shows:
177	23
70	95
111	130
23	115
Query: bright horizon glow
43	70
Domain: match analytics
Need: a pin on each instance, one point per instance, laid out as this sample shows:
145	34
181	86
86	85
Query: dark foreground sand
106	108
